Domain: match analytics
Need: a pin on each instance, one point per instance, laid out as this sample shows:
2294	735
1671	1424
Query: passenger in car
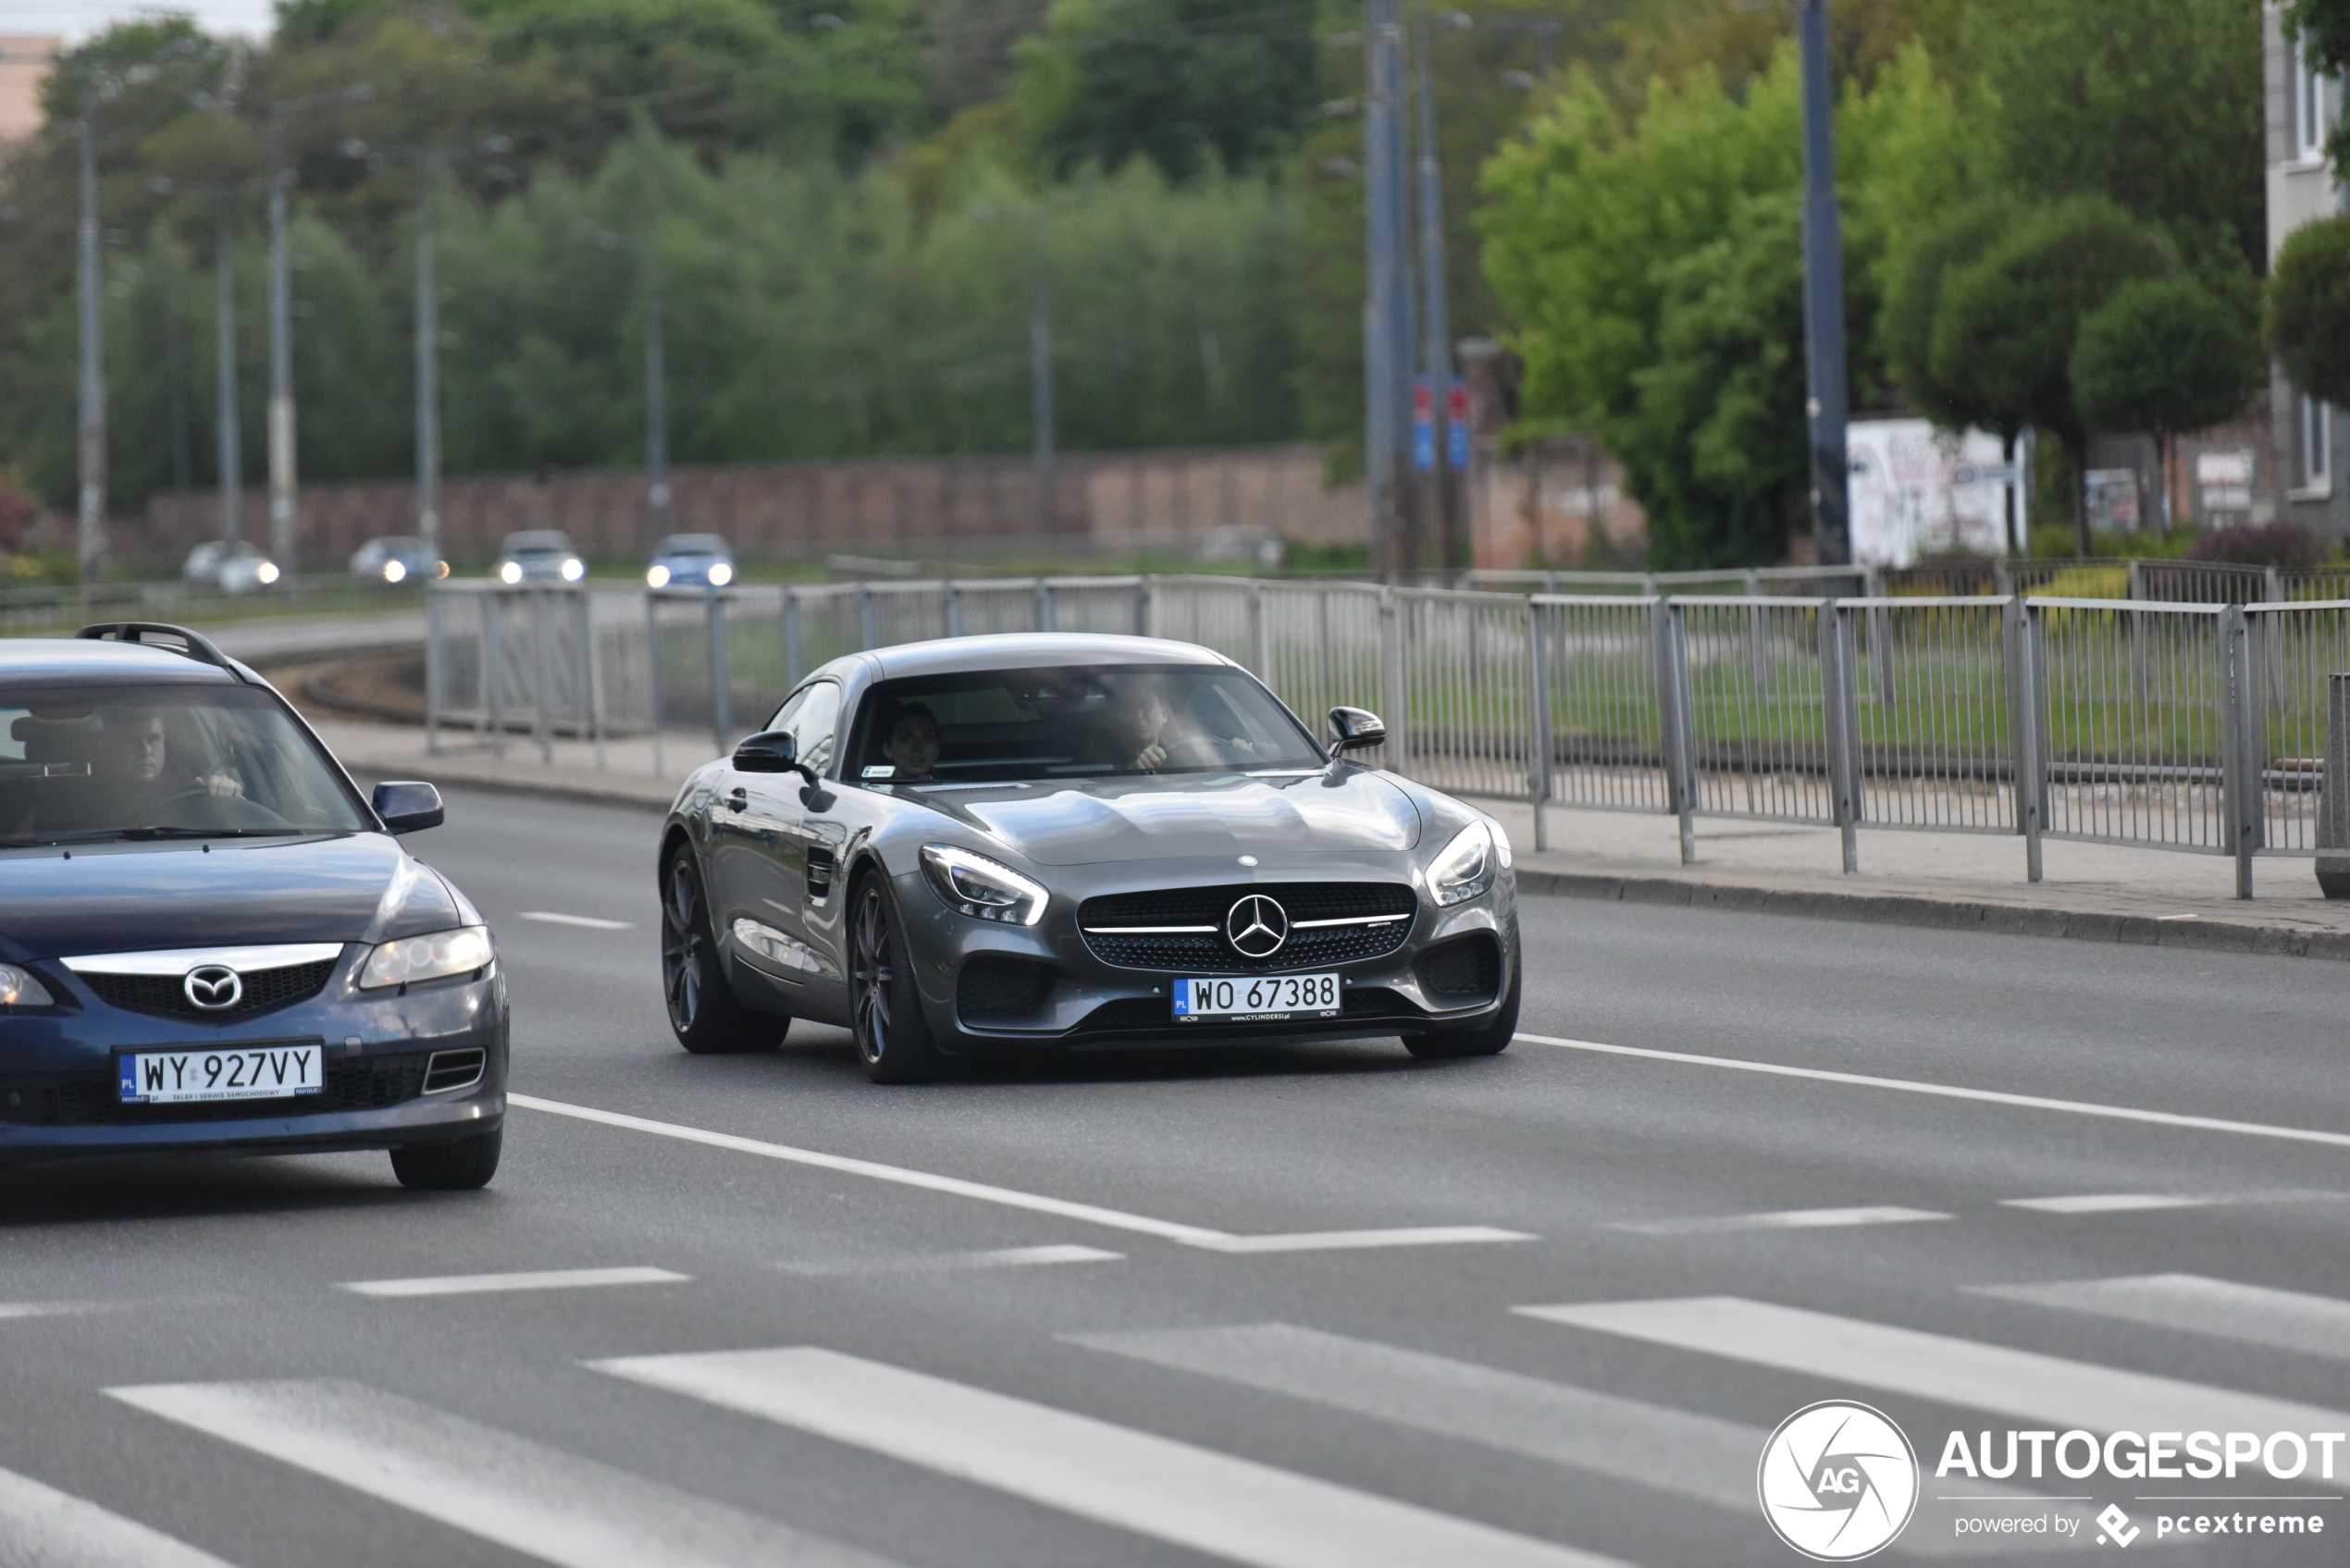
913	743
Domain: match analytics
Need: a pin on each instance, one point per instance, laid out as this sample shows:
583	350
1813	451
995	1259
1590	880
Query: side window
812	715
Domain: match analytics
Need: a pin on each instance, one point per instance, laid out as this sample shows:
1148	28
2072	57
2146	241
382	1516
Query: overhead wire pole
656	396
1436	360
224	348
281	406
428	368
1040	377
1828	405
1388	326
91	430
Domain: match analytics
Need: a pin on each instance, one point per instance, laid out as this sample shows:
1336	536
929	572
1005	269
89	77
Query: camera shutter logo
213	987
1838	1481
1256	927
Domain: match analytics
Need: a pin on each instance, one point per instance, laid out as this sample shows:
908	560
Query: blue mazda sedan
210	941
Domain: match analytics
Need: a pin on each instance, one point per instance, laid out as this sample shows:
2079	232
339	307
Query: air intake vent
992	988
1457	974
454	1070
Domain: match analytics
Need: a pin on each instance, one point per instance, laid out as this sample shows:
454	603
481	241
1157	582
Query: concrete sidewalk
1959	882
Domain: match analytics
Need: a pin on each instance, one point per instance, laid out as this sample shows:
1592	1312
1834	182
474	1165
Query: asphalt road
1171	1309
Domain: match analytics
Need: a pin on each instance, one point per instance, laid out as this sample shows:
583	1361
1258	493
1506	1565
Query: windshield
1095	720
100	762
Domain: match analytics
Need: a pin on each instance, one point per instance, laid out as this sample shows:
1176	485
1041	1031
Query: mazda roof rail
194	644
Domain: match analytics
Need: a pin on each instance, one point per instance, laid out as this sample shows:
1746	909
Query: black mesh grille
1207	952
89	1099
1460	972
1001	988
166	996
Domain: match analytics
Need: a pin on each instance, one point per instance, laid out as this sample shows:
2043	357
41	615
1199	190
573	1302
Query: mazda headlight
22	988
435	956
1465	867
977	886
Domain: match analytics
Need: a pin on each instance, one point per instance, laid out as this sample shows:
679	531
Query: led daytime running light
974	885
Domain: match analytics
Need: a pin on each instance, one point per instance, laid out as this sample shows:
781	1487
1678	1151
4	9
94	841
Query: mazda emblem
1256	927
213	987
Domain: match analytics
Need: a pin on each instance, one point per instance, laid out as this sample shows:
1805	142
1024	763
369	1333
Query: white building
2309	435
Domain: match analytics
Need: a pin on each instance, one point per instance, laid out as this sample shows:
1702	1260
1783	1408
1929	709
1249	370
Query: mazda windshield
98	762
1086	721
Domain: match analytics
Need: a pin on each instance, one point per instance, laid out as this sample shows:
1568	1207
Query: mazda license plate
1268	998
174	1076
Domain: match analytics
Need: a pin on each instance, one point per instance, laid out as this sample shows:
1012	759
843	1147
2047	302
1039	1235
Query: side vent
454	1070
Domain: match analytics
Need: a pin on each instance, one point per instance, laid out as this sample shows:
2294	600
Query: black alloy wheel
893	1038
704	1013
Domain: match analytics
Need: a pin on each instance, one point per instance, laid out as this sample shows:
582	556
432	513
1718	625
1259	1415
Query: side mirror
771	751
1353	728
407	805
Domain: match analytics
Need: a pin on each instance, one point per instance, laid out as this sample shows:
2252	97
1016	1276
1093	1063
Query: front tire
704	1012
892	1037
1487	1039
457	1166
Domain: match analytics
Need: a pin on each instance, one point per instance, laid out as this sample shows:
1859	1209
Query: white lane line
538	1501
1090	1213
1934	1367
2107	1202
585	923
1172	1491
42	1527
543	1280
1953	1092
1783	1220
46	1309
2253	1314
1000	1257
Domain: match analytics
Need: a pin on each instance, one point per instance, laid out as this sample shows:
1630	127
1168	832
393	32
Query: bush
2270	544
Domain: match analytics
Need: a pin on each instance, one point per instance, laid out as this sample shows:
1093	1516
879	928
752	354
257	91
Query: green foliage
2165	355
1912	302
2309	309
2322	28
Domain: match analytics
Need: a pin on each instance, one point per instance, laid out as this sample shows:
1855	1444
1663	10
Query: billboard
1918	491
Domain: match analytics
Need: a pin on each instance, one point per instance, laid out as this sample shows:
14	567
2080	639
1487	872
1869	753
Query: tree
2309	309
2164	355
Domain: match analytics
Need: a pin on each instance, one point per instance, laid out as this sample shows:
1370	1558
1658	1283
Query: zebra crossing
558	1507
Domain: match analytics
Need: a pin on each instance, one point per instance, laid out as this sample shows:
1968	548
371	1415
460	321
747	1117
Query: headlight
1466	867
979	887
440	569
266	572
433	956
656	576
574	569
721	575
511	572
22	988
394	571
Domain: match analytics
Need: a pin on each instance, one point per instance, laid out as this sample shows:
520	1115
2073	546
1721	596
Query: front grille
164	996
1001	988
1137	1014
1207	952
1457	973
92	1099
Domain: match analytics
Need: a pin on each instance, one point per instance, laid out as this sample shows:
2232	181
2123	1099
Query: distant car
691	560
236	569
401	558
539	555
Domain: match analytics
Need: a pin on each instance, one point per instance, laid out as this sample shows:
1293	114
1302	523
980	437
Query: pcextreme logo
1838	1481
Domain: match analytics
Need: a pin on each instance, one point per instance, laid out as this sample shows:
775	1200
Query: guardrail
2177	725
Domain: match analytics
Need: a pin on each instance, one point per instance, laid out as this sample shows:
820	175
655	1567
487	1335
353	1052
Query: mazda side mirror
770	751
407	805
1353	728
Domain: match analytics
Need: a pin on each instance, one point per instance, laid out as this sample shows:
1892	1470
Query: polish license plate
1266	997
176	1077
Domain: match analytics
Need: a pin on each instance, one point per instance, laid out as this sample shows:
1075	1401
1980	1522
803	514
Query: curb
2206	933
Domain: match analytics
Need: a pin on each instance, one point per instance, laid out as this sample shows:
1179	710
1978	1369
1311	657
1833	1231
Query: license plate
226	1072
1267	997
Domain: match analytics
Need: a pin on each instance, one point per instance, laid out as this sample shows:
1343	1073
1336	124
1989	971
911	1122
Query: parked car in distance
235	569
399	558
539	555
691	560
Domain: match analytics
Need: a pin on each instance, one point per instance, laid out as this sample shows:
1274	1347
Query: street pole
427	369
656	399
223	349
1388	346
175	349
1436	359
1828	407
281	404
1040	379
92	422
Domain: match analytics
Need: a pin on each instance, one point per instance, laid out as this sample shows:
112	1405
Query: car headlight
656	576
435	955
721	575
1465	867
511	572
977	886
22	988
440	569
266	572
394	571
574	569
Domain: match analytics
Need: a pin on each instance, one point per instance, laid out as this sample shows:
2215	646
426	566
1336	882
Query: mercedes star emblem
1256	927
213	987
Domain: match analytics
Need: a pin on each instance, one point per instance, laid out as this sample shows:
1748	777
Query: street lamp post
1827	406
231	439
1436	332
91	433
427	367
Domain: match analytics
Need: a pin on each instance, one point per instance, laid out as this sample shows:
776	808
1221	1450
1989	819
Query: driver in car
143	764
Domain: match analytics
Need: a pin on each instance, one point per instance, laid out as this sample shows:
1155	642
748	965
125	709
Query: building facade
2309	435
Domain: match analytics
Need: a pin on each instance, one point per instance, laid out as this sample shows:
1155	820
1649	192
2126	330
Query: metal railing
2197	726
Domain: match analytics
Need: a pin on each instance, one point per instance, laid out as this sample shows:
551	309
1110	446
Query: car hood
1081	821
119	898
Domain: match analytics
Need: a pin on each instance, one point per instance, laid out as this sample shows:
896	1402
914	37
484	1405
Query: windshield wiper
113	835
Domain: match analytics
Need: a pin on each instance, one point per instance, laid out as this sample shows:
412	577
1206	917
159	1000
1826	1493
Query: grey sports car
998	843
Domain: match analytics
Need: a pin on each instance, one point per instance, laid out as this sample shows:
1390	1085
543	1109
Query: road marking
2254	1315
585	923
1933	1366
2178	917
545	1279
538	1501
1953	1092
1211	1502
46	1309
1001	1257
1783	1220
2107	1202
1090	1213
42	1527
